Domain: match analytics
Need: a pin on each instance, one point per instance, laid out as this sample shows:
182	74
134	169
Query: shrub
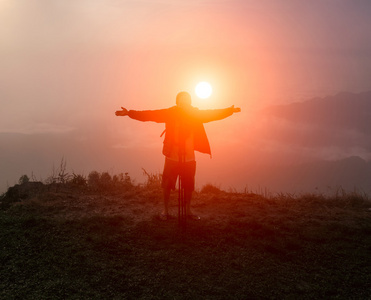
78	180
105	181
211	189
153	180
93	180
122	180
23	179
60	174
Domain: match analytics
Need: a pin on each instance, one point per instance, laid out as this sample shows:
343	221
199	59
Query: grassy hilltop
102	239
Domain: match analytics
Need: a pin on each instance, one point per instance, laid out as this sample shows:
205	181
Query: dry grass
61	243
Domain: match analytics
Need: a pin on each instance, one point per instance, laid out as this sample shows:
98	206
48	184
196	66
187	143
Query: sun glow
203	89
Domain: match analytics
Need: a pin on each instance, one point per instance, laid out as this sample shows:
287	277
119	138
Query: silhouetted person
184	133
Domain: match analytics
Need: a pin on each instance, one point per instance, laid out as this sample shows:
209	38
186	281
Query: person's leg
189	186
166	192
168	183
188	198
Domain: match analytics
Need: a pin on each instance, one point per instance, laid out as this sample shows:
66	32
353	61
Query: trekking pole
182	216
180	200
182	211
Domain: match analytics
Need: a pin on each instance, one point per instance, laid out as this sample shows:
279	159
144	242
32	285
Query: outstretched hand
121	113
235	109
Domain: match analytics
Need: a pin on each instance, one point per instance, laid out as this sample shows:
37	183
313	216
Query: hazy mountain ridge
298	147
349	174
345	110
336	129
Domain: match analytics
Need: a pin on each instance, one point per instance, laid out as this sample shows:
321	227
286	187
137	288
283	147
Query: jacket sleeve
158	116
210	115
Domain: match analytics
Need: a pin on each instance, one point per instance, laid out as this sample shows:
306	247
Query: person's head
183	99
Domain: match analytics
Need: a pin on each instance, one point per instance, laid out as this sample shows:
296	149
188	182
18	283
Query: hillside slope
60	243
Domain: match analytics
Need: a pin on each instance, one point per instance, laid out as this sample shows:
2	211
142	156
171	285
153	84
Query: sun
203	89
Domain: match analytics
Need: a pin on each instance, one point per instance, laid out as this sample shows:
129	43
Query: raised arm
159	116
210	115
121	113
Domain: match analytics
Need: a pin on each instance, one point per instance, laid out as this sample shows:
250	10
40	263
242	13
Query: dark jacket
193	118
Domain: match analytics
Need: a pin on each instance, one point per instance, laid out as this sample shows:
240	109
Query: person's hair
184	97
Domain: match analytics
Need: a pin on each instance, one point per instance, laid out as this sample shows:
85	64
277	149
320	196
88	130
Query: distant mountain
326	177
321	144
351	173
343	111
298	147
342	121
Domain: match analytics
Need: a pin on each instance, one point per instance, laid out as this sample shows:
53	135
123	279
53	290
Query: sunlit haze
67	66
203	89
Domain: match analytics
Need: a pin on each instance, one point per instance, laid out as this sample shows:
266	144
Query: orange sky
68	65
